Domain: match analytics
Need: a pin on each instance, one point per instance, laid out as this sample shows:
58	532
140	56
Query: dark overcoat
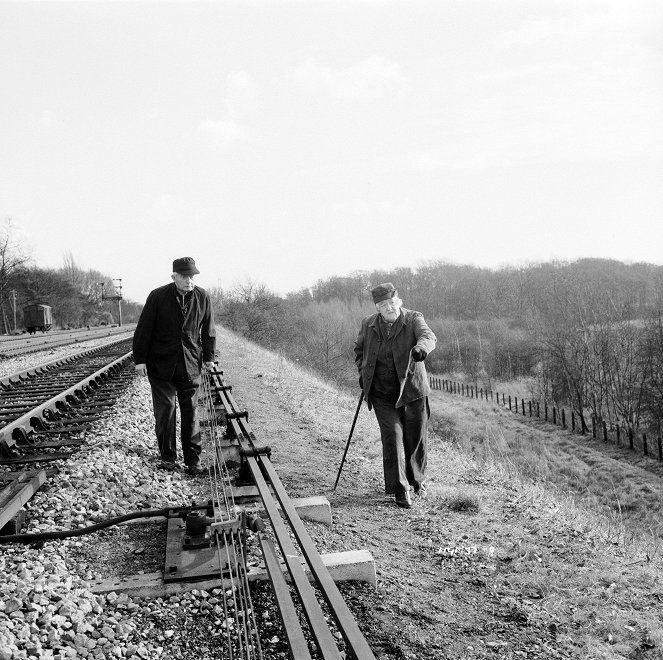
412	332
164	333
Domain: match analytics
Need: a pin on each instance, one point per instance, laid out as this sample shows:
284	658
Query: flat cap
383	292
185	266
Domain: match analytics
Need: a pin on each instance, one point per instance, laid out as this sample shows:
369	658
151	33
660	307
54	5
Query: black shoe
404	500
197	469
168	465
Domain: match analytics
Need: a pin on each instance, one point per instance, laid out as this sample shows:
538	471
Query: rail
15	345
43	409
284	519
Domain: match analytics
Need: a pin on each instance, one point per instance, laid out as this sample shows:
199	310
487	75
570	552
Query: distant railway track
14	345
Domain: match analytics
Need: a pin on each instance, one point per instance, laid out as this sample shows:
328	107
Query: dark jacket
412	332
163	333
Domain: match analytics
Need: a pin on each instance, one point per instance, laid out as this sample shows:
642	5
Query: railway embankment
490	564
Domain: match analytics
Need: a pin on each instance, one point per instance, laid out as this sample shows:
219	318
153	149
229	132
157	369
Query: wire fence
622	436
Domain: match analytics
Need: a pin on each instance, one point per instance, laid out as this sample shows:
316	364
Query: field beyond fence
621	436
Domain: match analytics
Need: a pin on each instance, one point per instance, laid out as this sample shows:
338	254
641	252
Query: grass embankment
568	531
624	489
610	579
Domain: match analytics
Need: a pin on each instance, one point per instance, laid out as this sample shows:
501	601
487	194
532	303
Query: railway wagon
37	317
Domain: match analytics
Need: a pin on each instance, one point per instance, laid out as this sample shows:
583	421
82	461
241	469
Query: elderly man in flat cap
389	353
174	338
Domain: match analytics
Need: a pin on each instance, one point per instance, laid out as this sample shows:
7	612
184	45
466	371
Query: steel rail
12	347
262	470
315	617
26	374
295	637
59	414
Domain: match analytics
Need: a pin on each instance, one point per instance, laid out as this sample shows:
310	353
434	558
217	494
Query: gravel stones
47	609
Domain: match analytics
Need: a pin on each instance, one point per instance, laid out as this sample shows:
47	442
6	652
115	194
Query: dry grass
624	495
567	537
604	578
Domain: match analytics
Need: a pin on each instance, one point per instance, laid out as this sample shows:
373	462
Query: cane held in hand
347	446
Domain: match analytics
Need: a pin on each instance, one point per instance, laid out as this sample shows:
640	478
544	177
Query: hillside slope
490	564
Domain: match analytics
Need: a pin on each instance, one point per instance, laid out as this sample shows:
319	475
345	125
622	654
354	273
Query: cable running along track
229	528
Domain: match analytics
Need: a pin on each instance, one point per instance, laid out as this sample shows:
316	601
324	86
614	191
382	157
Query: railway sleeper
12	499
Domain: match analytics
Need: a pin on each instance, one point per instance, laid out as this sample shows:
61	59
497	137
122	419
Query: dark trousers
164	395
404	434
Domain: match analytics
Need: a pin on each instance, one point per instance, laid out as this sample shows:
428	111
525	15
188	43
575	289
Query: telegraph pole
118	288
13	293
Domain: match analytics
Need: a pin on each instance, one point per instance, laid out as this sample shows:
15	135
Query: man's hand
141	369
209	366
418	354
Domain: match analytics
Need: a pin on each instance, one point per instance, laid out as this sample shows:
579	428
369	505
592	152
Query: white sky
289	140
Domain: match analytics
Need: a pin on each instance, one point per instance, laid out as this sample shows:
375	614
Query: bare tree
12	259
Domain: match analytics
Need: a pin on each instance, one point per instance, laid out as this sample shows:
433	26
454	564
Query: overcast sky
284	141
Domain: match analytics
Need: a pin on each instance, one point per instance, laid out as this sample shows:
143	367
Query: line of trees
586	334
72	292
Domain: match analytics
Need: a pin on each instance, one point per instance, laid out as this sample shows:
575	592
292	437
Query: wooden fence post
509	402
617	428
605	432
660	448
645	449
554	415
630	438
573	421
546	411
563	418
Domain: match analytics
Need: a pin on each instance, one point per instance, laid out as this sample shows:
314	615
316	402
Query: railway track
14	345
39	418
315	591
44	410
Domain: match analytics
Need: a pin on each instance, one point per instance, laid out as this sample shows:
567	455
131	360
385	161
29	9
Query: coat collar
375	320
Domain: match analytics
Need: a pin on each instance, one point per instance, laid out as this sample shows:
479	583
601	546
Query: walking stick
347	446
